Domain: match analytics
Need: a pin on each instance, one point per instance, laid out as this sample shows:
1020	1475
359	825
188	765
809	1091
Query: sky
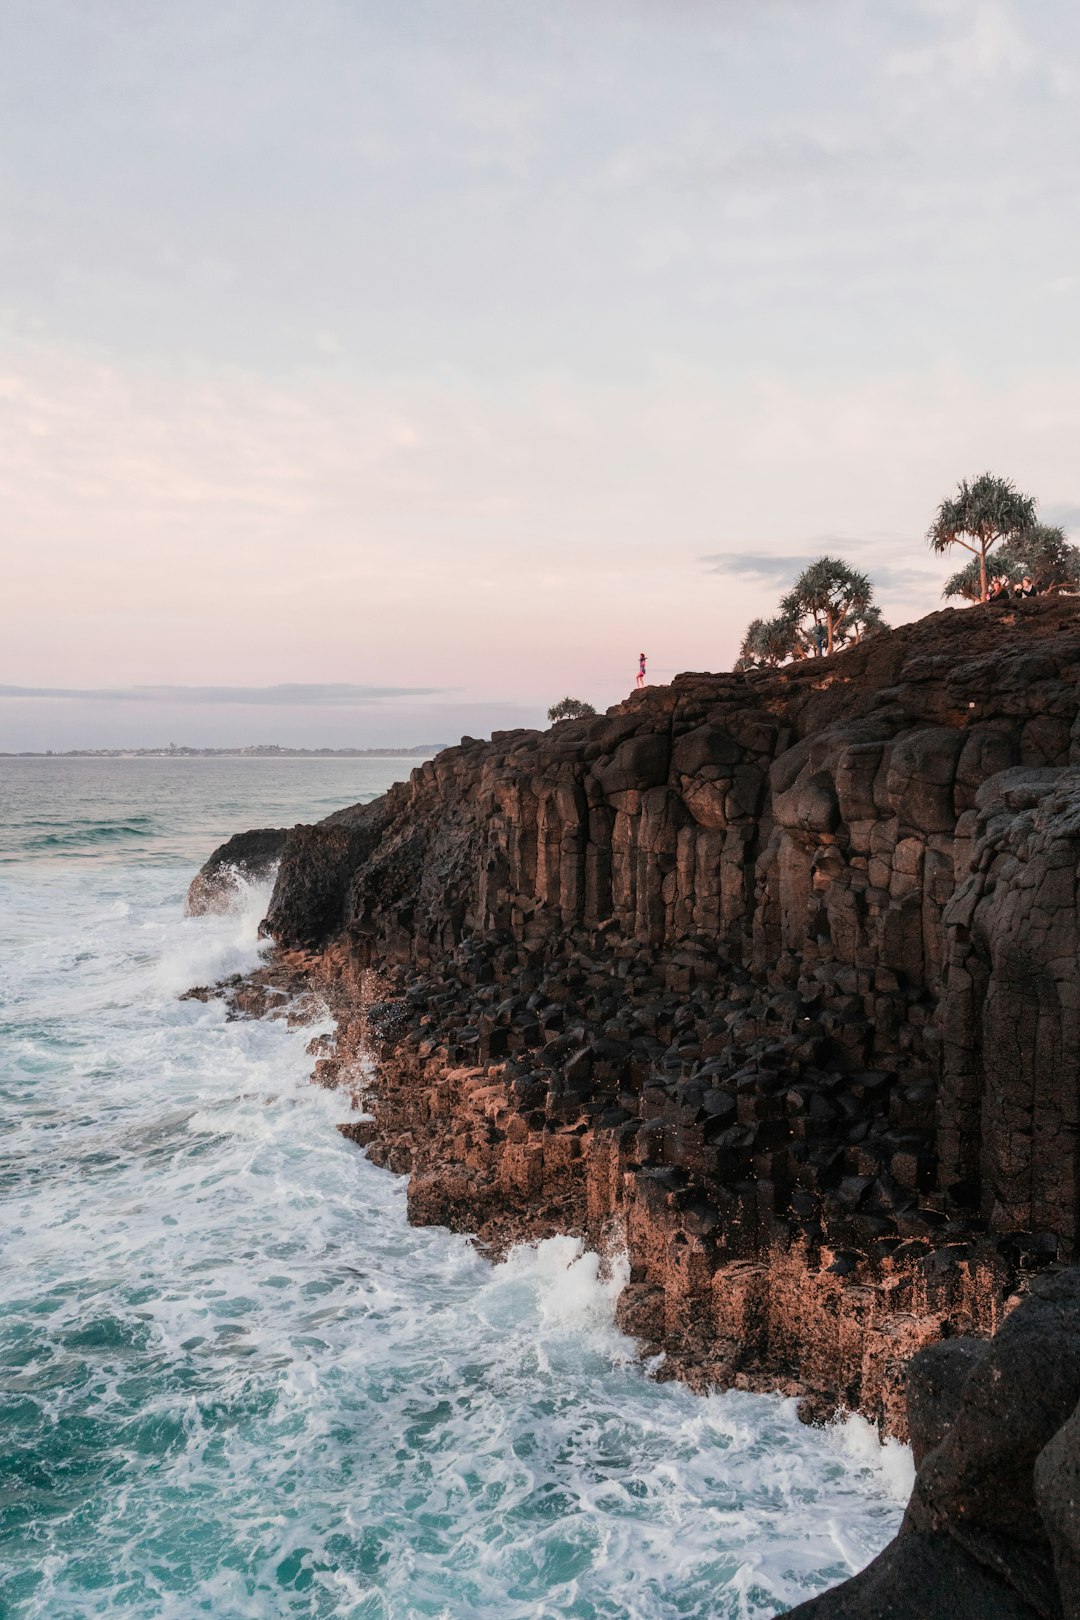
373	373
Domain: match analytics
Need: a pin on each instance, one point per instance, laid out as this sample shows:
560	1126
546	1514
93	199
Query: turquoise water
233	1380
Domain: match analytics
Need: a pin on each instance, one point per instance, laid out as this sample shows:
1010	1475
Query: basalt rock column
775	973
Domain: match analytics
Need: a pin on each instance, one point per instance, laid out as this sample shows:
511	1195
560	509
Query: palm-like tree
978	516
769	642
862	622
1043	553
831	595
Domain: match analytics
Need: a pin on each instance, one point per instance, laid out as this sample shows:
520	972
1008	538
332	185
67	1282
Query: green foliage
767	642
982	514
862	622
569	708
1045	555
829	606
1042	553
828	603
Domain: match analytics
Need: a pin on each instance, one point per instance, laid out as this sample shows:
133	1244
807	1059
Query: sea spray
236	1382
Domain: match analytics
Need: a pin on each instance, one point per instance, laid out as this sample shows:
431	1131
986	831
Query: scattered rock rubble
770	978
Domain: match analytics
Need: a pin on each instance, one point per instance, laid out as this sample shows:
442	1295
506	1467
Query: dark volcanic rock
935	1381
1057	1491
772	978
991	1531
246	856
318	866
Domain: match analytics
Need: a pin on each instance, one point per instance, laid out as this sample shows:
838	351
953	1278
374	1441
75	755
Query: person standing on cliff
640	670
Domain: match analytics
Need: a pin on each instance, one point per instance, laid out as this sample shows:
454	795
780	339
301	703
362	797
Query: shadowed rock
246	857
991	1529
935	1380
774	975
1057	1491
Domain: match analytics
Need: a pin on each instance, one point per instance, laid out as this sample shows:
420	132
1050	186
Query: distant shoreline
256	751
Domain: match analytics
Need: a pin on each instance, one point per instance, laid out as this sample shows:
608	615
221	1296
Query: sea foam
237	1382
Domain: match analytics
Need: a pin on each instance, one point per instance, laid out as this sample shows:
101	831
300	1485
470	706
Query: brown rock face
991	1532
772	978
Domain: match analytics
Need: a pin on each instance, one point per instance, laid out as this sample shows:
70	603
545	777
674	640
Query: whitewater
234	1381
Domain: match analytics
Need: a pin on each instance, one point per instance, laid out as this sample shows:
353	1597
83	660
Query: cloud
990	47
1066	513
295	695
755	565
783	570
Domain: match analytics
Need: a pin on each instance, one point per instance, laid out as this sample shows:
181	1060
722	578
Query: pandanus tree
829	605
825	603
863	622
768	642
981	514
1042	554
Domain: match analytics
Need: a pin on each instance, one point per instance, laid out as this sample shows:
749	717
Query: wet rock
797	948
246	857
991	1528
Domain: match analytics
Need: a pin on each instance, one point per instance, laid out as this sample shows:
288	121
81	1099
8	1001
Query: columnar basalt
772	978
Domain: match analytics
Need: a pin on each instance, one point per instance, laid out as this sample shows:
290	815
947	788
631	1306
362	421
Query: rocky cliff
771	978
992	1531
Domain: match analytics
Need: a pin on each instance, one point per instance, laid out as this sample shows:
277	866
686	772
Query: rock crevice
772	978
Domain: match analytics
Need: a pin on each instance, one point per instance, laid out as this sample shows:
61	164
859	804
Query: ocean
234	1381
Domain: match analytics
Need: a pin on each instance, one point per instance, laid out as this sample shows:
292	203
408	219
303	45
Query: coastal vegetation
829	605
570	708
987	512
1043	555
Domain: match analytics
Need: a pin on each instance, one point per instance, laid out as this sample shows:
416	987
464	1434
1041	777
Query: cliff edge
771	978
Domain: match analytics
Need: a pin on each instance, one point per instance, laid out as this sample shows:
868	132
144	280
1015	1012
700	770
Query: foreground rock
246	857
993	1528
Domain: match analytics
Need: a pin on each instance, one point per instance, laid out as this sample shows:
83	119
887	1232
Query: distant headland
252	751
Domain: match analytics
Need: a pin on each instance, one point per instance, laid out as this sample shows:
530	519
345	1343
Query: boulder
246	857
991	1529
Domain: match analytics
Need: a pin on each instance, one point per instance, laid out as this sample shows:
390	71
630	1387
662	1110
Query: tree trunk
982	572
828	634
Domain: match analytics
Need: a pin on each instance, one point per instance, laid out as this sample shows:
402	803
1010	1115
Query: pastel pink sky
459	360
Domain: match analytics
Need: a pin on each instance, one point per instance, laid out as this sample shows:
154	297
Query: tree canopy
767	642
829	605
1042	553
981	514
569	708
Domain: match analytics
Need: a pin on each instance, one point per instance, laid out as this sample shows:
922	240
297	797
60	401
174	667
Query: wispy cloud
1066	513
988	46
756	565
783	570
290	695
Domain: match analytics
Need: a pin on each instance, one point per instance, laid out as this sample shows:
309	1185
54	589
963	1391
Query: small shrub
569	708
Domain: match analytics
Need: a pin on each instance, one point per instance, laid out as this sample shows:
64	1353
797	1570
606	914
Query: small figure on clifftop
640	670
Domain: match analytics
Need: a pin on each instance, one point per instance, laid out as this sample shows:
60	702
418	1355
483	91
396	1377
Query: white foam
574	1286
890	1460
203	949
301	1404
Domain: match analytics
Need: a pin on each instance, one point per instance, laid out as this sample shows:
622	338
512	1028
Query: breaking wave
237	1382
